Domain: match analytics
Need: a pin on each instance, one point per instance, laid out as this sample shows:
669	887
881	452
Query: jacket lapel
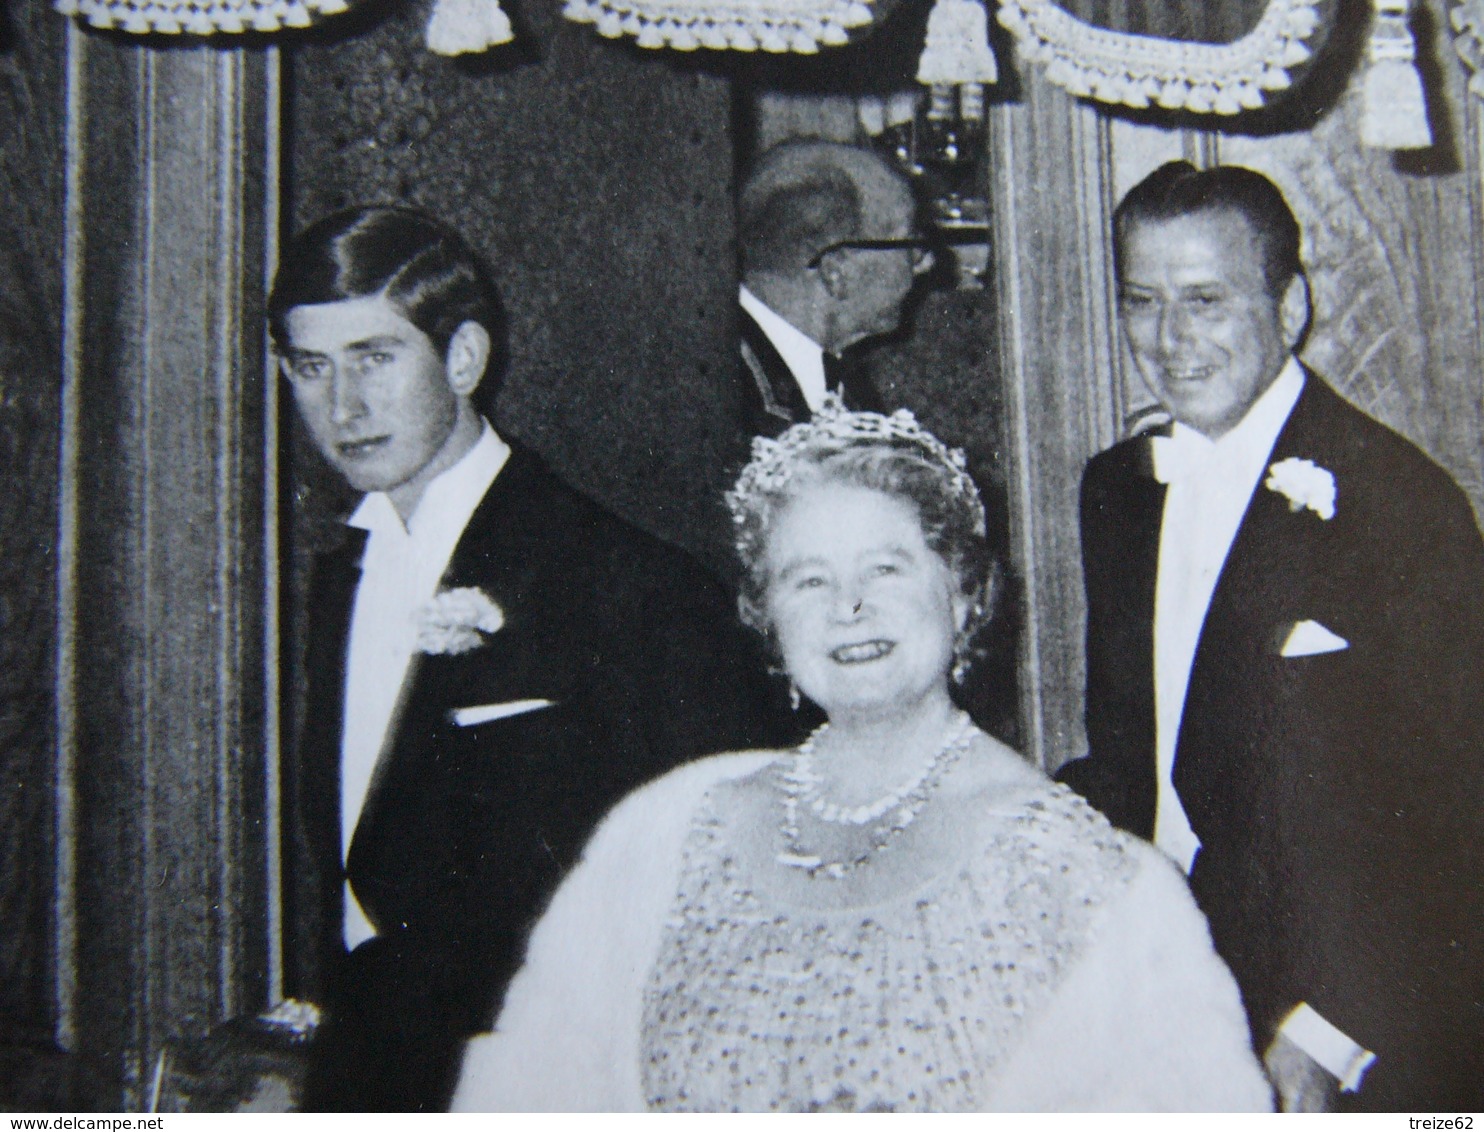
332	601
313	879
1146	496
1264	585
1123	550
498	553
779	393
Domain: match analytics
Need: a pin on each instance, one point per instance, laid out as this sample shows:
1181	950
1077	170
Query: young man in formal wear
1285	644
492	661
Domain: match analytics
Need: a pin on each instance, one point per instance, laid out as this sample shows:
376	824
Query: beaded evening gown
1058	965
909	1004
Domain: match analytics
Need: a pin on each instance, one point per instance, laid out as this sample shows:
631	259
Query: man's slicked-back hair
423	267
804	195
1178	189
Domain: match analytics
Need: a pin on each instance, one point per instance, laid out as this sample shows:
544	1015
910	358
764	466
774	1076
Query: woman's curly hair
902	461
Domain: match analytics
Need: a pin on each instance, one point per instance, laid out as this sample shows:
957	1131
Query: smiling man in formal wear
492	661
1285	647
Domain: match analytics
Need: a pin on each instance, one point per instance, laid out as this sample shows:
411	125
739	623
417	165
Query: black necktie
846	376
834	366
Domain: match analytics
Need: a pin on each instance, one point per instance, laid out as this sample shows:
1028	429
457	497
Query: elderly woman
900	914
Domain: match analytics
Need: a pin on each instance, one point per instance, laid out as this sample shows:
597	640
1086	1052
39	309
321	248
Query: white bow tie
1184	454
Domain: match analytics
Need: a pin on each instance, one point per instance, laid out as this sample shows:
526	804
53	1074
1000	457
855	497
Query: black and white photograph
748	556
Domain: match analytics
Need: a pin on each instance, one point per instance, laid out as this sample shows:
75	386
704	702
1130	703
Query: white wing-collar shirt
1210	485
400	571
802	354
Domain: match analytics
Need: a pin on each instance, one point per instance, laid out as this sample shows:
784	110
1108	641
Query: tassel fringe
199	17
462	27
1394	109
956	49
1142	71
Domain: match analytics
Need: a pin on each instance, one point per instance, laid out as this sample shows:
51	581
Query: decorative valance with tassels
456	26
800	26
1221	56
1216	57
1103	61
200	17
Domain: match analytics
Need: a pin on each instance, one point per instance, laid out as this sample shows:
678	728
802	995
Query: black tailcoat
766	397
1339	798
467	830
762	399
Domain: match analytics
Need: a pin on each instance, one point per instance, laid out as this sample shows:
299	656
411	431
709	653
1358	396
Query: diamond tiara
775	462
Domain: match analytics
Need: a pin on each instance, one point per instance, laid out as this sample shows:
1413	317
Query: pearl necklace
801	782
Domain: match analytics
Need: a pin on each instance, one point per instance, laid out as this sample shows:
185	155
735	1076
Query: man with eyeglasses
829	251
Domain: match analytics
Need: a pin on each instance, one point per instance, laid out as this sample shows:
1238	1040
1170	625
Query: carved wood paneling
1394	245
1050	193
32	99
163	685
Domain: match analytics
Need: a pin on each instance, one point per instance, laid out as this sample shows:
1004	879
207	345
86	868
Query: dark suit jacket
767	399
762	399
1337	797
466	830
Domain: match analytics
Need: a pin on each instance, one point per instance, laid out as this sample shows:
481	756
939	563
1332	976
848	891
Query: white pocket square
1309	638
487	713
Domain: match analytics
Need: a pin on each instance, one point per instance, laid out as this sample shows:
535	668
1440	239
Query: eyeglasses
921	248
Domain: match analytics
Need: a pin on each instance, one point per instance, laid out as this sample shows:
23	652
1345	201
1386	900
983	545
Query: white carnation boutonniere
457	620
1305	484
298	1020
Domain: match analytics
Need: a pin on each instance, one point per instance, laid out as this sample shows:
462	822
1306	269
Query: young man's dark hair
427	270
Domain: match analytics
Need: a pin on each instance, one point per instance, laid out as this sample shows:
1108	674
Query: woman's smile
864	609
862	653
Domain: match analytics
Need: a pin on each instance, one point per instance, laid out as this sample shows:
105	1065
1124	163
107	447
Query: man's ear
468	355
1293	312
